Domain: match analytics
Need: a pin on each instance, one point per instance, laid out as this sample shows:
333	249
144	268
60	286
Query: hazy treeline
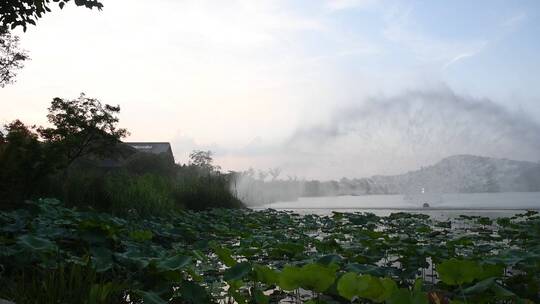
454	174
257	190
263	188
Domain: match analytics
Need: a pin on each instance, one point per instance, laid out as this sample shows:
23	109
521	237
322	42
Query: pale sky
322	89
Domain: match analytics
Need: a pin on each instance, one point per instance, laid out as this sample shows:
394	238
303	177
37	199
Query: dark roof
151	147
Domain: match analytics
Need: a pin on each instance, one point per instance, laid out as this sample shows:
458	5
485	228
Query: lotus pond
53	254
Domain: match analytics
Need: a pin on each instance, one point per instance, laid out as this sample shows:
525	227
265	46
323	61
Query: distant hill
462	174
454	174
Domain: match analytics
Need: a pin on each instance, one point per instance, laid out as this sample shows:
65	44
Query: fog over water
509	200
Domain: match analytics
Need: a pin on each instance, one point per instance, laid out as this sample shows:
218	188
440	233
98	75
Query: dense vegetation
61	255
69	160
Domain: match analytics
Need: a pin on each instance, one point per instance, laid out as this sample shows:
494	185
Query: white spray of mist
404	132
393	135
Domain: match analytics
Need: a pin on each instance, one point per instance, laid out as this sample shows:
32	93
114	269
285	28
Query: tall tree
82	126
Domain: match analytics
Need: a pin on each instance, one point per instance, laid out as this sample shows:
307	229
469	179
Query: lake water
441	206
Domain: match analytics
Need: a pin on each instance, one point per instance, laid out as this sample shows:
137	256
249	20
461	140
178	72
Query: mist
392	135
389	136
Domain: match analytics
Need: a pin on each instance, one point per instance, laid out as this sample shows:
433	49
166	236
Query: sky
320	88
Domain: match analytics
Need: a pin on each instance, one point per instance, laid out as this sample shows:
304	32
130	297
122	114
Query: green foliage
152	298
266	275
404	296
141	235
63	255
237	272
193	293
104	293
126	190
376	289
224	254
66	284
260	297
173	263
314	277
35	243
145	194
458	272
119	192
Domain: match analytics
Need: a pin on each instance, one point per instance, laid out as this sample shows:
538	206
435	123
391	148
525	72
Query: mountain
454	174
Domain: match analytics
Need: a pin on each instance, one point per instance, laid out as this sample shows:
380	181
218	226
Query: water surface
441	205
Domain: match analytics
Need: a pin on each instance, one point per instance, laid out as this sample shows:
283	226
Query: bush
119	192
85	188
203	192
144	194
122	191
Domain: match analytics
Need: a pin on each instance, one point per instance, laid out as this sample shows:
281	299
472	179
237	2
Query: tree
203	160
11	57
22	163
82	126
14	13
20	13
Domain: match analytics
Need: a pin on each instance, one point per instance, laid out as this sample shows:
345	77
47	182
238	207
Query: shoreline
399	209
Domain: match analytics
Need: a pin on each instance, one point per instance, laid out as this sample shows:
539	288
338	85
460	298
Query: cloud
508	26
465	55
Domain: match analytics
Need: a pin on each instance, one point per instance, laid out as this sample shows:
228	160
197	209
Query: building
158	148
127	152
